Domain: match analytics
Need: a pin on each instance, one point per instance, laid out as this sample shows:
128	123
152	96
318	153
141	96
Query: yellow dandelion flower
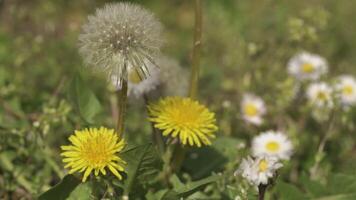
94	150
184	118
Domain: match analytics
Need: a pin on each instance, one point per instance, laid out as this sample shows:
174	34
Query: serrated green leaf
85	101
142	163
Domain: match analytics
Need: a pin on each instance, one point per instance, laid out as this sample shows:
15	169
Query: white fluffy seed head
119	37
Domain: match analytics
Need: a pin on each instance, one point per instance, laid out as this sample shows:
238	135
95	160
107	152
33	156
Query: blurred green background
246	45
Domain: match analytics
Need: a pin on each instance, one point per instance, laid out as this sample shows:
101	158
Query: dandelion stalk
122	100
196	50
157	137
180	151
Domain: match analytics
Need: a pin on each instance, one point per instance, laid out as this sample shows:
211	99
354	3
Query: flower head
306	66
272	143
184	118
121	37
320	95
94	150
253	108
346	90
258	171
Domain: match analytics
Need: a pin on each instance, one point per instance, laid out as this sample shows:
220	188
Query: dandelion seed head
118	37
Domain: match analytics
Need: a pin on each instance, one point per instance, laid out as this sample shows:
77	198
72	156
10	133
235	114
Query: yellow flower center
250	109
96	152
263	165
272	146
185	115
322	96
348	90
307	68
134	77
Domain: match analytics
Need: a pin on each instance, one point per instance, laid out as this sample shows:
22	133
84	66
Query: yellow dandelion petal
94	150
185	119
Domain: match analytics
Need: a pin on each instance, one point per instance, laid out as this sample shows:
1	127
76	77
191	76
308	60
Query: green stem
261	191
318	155
122	100
156	136
178	158
196	50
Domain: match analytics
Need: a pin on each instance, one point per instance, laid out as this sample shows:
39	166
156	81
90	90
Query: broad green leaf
142	163
314	188
70	188
184	190
289	191
199	162
84	100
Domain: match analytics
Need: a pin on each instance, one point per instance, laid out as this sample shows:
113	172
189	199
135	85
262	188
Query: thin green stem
321	147
178	158
262	191
156	136
180	151
122	100
196	50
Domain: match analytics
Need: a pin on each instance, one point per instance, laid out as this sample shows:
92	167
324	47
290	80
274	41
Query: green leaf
339	197
289	191
142	164
84	100
70	188
200	164
181	190
314	188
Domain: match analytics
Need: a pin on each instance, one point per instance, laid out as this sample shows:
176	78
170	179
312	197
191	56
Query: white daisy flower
346	90
253	108
320	95
258	171
272	143
138	85
306	66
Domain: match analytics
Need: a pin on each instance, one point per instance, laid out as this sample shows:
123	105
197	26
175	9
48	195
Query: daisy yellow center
307	68
348	90
263	165
250	109
134	77
272	146
94	150
322	96
184	119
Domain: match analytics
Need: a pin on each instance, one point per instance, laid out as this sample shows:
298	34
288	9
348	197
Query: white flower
258	171
346	90
306	66
272	143
253	108
320	95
